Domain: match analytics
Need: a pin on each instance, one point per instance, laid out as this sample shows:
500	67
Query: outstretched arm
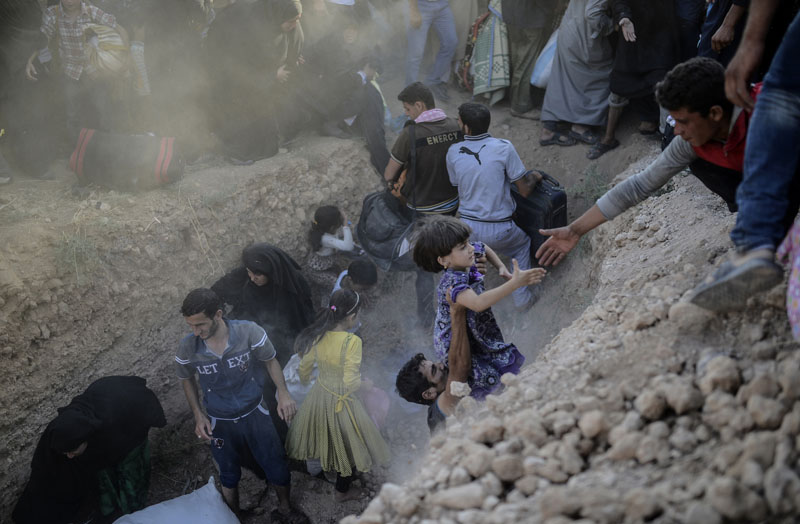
459	357
469	299
563	239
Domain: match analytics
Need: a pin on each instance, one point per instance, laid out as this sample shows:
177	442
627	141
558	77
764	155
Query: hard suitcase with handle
545	208
127	162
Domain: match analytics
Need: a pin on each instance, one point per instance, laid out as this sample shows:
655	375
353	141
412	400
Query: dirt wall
92	286
644	409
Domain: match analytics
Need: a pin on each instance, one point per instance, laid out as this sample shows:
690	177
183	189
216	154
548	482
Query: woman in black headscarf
270	290
96	445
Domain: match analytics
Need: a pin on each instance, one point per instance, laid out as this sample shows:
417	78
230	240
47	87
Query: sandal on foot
558	139
600	149
587	137
733	283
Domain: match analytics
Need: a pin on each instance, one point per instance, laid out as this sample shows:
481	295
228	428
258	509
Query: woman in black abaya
96	446
270	290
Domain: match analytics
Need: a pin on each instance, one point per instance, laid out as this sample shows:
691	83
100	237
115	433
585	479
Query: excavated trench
91	286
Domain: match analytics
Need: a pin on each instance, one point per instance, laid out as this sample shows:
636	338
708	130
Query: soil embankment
644	409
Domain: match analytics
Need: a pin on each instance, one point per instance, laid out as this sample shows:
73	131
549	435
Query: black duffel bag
544	208
383	231
126	162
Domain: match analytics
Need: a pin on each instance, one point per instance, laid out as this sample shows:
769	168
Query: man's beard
213	329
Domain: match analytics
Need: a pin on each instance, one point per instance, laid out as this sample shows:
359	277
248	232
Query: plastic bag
106	52
544	64
202	506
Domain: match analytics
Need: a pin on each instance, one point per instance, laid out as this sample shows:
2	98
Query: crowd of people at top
455	181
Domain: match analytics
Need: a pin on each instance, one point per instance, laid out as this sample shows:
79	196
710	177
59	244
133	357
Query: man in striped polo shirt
229	360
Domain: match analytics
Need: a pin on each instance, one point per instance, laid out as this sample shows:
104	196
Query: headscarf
279	11
280	268
73	426
282	306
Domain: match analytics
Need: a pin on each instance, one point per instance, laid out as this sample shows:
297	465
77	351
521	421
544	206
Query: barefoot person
710	140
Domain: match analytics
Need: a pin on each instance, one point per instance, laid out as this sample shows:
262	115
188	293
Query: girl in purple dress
442	243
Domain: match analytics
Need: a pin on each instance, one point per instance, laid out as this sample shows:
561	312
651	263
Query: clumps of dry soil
645	408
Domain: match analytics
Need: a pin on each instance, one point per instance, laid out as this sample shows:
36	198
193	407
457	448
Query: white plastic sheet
202	506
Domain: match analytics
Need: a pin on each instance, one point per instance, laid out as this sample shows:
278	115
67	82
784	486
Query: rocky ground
645	408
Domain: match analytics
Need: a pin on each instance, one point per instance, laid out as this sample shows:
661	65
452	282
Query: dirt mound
645	408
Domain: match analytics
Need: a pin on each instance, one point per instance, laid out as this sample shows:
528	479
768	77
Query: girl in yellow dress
332	424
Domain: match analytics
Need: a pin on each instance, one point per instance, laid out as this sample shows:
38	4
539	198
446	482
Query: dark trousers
720	180
87	104
370	125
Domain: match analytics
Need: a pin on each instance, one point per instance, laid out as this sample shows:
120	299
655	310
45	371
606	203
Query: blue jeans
256	432
507	239
438	15
768	195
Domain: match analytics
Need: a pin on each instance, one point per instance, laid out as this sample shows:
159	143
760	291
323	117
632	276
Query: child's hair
411	383
343	303
435	237
327	219
362	271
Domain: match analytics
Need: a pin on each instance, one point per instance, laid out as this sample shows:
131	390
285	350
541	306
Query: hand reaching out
562	240
527	277
503	272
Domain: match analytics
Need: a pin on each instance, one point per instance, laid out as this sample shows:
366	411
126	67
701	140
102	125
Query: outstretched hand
562	240
528	277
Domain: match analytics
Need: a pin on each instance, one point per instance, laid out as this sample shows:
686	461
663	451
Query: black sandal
558	139
600	149
587	137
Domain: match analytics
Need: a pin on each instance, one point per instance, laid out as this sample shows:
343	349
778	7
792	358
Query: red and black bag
126	162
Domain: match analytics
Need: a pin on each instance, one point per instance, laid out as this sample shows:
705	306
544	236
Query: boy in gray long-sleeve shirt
710	140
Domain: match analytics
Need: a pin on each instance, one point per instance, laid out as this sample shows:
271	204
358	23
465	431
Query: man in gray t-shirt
483	168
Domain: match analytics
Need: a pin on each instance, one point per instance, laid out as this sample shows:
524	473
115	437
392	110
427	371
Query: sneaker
5	180
737	280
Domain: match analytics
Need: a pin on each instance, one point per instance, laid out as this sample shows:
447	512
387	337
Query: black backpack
383	226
